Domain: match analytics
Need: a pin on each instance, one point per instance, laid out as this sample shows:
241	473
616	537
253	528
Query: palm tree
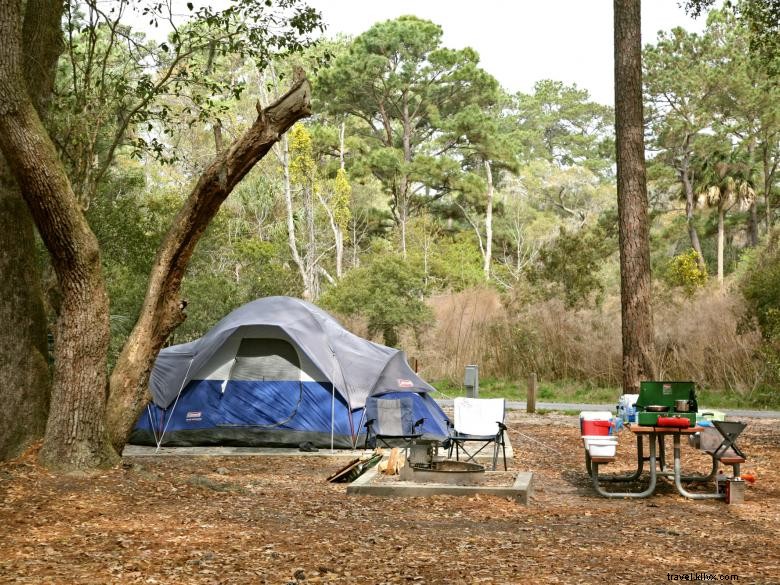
725	181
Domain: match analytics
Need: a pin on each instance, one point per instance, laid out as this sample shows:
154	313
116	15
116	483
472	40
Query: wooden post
530	405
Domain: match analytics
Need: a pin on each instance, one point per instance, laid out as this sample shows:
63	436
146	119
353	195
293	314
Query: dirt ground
275	520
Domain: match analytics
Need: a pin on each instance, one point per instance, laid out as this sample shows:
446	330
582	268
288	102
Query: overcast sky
520	41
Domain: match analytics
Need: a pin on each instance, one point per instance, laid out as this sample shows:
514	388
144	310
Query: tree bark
337	230
23	347
23	343
338	235
721	239
690	205
488	221
310	258
292	240
769	168
635	278
75	434
403	204
753	223
282	150
162	310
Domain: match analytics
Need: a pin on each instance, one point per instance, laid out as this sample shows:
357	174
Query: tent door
265	359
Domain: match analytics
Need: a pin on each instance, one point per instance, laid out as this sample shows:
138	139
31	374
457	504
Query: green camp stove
654	394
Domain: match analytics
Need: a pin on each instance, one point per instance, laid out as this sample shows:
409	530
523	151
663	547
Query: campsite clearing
275	520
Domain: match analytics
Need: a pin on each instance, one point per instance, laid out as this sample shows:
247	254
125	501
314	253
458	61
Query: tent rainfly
277	372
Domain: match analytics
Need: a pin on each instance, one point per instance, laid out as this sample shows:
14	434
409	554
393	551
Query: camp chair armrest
369	423
501	426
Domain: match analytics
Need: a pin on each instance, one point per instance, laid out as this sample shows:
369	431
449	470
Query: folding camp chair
481	421
729	431
719	441
390	423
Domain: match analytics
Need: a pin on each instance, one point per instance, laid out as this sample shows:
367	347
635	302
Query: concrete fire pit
516	485
444	472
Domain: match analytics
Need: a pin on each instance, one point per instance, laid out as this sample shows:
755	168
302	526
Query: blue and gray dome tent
277	372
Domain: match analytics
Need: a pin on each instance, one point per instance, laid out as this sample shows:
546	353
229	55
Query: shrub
759	286
387	292
570	266
685	272
696	339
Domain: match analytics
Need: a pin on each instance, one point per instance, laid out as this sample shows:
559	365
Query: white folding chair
481	421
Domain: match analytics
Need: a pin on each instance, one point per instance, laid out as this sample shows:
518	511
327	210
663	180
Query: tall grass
696	339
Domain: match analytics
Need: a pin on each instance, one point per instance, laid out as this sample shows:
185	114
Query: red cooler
595	423
592	428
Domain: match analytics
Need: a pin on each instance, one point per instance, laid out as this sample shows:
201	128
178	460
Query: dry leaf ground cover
274	520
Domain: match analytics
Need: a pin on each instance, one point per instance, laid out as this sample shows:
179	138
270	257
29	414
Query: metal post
678	479
530	405
644	494
333	415
471	381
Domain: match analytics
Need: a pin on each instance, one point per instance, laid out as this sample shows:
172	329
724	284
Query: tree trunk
23	348
407	144
690	205
721	238
292	240
23	344
75	434
355	261
488	221
310	258
753	225
342	131
635	280
162	310
770	168
403	220
339	233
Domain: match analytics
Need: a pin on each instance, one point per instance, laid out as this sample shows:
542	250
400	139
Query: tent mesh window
266	359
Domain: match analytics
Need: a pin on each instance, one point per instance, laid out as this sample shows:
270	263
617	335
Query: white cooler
599	446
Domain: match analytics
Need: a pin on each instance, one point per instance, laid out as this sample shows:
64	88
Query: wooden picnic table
656	437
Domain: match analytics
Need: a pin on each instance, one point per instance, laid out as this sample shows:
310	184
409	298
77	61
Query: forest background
432	210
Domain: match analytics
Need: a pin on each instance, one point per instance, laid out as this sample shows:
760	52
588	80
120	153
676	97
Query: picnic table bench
656	437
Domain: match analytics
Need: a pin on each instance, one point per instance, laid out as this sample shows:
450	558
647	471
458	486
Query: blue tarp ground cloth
188	410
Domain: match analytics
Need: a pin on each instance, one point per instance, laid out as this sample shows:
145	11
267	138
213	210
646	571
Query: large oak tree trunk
23	345
23	349
635	281
75	435
162	310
